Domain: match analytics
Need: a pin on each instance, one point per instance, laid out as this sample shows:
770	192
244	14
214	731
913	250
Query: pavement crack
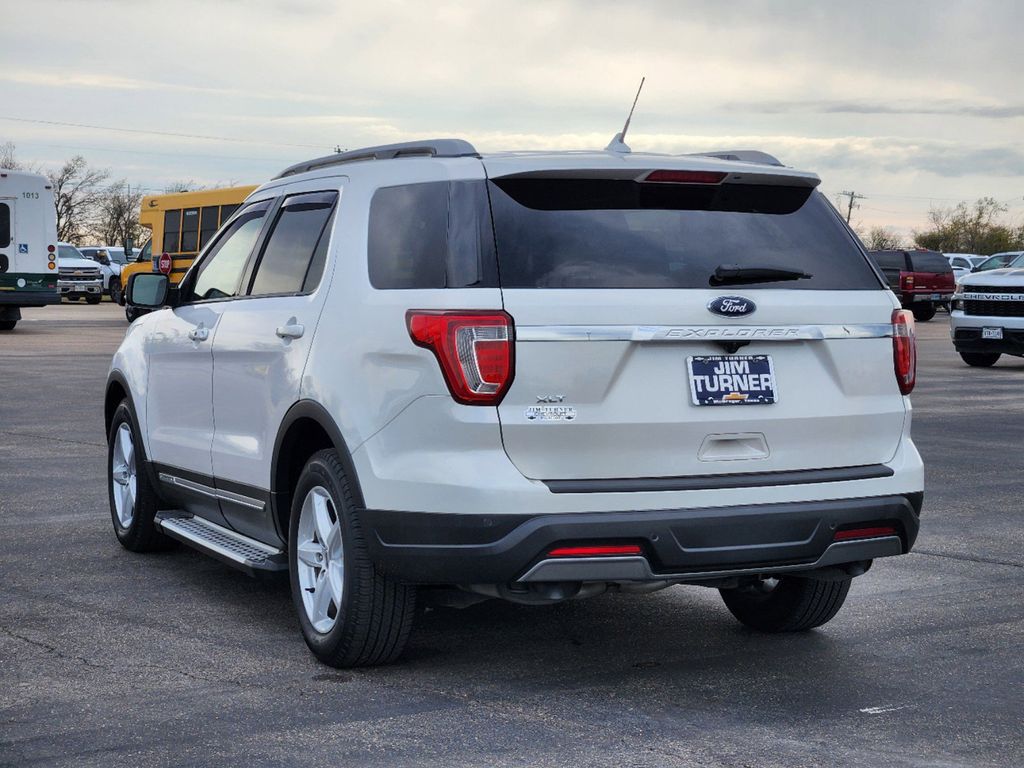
51	437
966	558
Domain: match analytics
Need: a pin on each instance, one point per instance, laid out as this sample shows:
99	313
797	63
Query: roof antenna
618	144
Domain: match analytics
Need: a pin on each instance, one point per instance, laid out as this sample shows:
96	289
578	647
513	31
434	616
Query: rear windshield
929	261
607	233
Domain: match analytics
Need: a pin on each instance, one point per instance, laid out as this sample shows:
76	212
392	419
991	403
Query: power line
62	124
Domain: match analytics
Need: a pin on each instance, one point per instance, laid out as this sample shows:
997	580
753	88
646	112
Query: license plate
732	380
936	297
991	333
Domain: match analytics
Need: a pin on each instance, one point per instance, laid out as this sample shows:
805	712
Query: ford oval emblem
732	306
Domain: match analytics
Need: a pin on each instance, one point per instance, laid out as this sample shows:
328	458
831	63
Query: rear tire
786	604
924	313
980	359
363	617
115	291
71	298
7	325
93	299
133	502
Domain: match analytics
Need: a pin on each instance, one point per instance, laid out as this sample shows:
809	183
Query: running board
253	557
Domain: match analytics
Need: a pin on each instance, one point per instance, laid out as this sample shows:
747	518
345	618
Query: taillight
685	177
904	349
473	348
907	281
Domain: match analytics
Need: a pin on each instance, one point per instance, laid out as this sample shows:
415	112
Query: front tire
133	502
7	325
787	603
980	359
132	314
924	313
350	613
93	299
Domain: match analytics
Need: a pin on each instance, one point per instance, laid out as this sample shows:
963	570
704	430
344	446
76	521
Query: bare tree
183	185
79	194
970	228
117	218
883	239
9	159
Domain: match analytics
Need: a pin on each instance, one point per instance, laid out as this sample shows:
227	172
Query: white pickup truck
987	319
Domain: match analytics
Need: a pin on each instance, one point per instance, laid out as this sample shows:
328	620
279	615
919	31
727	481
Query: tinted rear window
431	235
889	259
929	261
598	233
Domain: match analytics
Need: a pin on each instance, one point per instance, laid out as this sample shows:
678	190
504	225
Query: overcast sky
909	103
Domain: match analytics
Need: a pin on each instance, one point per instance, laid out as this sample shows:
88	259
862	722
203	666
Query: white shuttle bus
28	245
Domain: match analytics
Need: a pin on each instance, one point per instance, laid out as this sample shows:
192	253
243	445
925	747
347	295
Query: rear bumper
677	544
927	296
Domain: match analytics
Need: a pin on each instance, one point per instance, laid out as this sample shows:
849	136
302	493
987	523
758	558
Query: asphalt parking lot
109	658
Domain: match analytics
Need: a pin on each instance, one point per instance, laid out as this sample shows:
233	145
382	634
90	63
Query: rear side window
889	259
293	258
431	235
929	261
5	225
612	233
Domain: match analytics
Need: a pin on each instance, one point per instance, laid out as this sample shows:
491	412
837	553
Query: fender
312	410
116	377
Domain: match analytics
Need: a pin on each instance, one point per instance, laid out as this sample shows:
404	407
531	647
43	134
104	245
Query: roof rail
427	148
743	156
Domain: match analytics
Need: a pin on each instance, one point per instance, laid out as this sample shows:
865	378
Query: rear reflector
685	177
865	533
596	550
904	350
474	349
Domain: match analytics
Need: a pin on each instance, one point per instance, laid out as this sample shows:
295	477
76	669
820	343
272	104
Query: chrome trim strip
698	333
634	568
172	523
213	493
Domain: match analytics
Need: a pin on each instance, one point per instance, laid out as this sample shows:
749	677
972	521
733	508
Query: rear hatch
932	273
609	277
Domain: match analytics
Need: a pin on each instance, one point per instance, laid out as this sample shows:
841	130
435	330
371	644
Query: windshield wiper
734	274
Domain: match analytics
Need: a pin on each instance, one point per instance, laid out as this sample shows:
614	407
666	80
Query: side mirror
147	289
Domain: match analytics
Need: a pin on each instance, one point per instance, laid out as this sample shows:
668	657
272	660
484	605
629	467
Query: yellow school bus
181	224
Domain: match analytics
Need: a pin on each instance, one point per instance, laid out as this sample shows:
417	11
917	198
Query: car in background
997	261
987	319
111	260
922	280
963	263
77	276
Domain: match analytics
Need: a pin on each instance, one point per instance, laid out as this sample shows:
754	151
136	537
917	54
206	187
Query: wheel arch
307	427
116	392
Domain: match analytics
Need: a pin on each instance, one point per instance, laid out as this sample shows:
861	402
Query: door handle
199	334
291	331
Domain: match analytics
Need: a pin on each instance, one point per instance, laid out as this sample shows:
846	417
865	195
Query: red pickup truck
922	280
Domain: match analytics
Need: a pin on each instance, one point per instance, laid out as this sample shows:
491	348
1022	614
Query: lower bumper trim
435	548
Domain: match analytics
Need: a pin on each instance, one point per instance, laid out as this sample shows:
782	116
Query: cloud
897	107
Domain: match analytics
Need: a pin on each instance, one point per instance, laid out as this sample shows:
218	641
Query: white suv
416	372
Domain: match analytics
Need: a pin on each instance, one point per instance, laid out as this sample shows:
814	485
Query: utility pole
849	208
